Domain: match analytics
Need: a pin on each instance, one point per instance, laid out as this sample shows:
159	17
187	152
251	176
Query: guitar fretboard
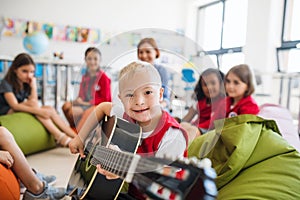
113	161
122	163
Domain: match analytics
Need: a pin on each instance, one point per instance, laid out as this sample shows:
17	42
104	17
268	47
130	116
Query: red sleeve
104	94
249	107
81	89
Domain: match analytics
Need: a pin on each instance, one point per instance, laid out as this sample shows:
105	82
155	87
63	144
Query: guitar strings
112	161
119	162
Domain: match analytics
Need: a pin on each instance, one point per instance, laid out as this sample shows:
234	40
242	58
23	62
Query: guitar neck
150	173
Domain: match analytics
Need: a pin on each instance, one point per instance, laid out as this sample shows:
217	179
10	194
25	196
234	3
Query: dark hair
198	91
92	49
11	77
244	73
152	42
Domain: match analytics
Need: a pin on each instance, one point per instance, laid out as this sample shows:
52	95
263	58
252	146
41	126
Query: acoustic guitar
158	178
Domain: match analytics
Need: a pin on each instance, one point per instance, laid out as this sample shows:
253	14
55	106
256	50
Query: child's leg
60	137
67	110
20	166
72	113
85	115
57	120
76	113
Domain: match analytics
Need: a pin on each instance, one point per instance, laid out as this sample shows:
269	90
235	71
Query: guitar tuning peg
210	172
184	160
204	163
194	161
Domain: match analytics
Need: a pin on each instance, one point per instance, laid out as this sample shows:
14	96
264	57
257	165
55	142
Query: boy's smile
140	111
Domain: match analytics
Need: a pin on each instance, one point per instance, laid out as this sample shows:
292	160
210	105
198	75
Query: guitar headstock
180	179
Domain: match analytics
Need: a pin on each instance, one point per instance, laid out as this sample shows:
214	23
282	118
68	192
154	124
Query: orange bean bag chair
9	185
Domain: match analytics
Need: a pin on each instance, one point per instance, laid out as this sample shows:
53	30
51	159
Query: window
289	52
231	59
221	31
212	26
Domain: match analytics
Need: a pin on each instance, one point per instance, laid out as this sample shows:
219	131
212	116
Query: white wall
263	37
113	16
263	33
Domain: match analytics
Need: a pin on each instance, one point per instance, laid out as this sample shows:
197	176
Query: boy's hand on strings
108	174
76	146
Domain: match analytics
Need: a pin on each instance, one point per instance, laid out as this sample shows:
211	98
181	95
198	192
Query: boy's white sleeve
172	145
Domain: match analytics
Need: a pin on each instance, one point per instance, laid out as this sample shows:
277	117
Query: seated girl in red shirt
209	92
94	89
239	88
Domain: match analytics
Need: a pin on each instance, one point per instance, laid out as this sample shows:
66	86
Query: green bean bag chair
251	159
29	133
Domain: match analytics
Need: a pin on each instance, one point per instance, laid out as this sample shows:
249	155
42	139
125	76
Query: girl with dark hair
18	93
209	92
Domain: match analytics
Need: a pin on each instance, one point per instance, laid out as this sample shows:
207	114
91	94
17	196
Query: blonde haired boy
140	91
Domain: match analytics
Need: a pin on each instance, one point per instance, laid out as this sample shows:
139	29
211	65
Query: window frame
286	45
221	51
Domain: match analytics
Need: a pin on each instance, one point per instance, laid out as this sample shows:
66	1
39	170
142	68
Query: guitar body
85	182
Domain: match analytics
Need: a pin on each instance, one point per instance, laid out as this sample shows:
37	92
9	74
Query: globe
36	42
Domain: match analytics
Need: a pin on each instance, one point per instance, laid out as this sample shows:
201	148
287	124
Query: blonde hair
138	66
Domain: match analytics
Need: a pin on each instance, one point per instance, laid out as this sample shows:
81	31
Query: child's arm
33	93
190	115
79	101
76	145
21	107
